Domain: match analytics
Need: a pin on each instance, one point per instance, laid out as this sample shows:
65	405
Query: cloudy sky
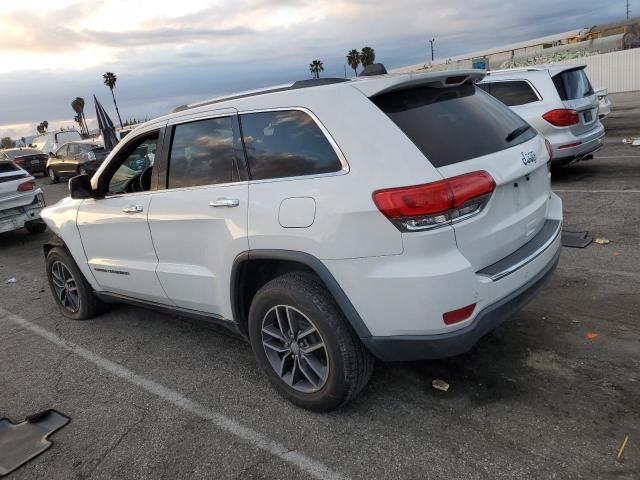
166	53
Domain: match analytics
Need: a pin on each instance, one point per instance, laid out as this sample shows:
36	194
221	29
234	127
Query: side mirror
80	187
52	155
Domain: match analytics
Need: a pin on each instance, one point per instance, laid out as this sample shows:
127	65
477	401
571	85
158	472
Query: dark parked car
29	159
75	158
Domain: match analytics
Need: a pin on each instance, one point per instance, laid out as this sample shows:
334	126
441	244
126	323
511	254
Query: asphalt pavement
550	394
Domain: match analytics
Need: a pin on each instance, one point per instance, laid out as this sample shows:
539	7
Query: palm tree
78	107
367	56
78	120
315	68
45	125
353	59
110	80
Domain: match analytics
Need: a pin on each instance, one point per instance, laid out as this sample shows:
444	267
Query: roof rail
517	69
252	93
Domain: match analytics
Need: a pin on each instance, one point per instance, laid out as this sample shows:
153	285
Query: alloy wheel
52	175
65	286
295	349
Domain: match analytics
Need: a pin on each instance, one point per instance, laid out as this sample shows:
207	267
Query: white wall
617	71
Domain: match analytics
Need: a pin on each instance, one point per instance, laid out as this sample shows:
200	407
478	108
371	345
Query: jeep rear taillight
562	117
421	207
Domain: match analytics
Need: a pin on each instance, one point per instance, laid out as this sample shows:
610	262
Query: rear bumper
420	347
589	142
40	168
15	217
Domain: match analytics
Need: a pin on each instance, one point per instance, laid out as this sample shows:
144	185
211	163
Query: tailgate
576	93
517	209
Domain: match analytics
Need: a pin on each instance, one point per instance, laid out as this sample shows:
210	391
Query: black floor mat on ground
24	441
575	239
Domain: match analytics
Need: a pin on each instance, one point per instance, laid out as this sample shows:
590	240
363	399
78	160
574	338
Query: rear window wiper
517	132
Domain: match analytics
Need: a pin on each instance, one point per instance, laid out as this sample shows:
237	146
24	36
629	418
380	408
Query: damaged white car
21	200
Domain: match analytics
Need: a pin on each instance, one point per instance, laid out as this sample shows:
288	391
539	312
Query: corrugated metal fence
617	71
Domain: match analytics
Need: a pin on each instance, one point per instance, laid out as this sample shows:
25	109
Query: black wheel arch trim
53	241
315	264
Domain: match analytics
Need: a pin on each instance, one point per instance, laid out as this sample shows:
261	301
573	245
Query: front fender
61	219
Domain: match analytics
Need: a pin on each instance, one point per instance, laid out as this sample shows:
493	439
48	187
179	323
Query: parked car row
405	230
557	101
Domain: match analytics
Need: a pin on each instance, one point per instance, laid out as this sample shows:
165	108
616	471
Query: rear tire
71	291
52	175
345	365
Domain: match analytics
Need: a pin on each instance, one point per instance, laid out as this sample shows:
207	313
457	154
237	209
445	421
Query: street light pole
431	42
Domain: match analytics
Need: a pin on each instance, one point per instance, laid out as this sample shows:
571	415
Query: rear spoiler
377	85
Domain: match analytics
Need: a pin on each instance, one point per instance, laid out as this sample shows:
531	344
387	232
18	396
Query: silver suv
558	101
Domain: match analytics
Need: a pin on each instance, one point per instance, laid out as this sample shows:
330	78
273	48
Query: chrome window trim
341	157
528	82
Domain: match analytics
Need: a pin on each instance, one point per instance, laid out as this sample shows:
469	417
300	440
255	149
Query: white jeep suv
328	222
558	101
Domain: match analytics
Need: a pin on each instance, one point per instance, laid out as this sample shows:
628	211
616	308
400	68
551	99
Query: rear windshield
573	84
87	147
451	125
20	153
6	167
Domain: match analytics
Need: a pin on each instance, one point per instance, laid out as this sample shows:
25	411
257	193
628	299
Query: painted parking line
250	436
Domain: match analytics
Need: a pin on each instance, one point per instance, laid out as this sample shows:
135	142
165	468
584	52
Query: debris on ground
621	448
631	141
616	254
593	336
12	280
602	241
440	385
575	239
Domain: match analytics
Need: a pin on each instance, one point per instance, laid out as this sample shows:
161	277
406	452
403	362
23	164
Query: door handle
133	209
225	202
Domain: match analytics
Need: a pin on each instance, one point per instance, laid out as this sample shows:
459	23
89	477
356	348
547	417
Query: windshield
451	125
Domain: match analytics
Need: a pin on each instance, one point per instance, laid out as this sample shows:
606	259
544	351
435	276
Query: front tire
303	344
52	175
71	291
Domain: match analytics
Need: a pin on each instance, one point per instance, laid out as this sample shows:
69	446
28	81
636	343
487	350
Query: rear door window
573	84
202	153
286	143
511	93
451	125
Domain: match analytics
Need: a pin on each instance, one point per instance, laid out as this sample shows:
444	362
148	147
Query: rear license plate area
35	162
588	116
